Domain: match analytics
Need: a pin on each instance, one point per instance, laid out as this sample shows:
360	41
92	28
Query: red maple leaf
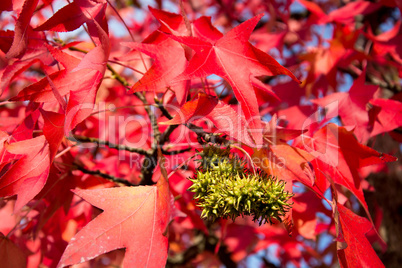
224	117
354	250
347	13
389	116
121	225
28	175
341	156
305	207
170	57
53	129
73	15
352	106
237	61
20	40
170	61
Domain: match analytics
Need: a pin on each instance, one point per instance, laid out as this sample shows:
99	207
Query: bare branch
110	145
104	175
177	151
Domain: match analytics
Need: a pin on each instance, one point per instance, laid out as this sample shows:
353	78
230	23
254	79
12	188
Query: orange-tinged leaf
193	110
287	163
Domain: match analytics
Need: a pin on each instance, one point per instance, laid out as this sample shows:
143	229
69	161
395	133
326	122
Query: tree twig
103	175
176	151
162	108
110	145
207	137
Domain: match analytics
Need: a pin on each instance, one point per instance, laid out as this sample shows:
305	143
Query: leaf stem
248	156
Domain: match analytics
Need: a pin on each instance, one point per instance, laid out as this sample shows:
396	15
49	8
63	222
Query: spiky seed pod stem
224	188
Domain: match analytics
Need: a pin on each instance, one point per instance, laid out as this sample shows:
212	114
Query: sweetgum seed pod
224	188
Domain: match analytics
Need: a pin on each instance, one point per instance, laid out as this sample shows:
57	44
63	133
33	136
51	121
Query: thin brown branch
176	151
162	108
165	135
104	175
206	136
117	76
110	145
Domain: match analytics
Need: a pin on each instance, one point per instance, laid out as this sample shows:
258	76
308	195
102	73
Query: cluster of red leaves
54	91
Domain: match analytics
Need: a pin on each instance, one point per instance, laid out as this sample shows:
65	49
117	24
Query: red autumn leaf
121	225
64	80
352	230
317	14
240	240
3	138
12	71
24	131
93	66
41	91
389	117
80	78
351	106
20	40
280	159
170	23
28	175
193	110
224	117
170	58
287	163
8	218
274	134
82	101
73	15
204	29
305	208
53	129
10	255
283	161
342	155
170	61
387	42
347	13
236	60
386	36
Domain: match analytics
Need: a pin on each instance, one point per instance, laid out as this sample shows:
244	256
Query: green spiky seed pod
224	188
